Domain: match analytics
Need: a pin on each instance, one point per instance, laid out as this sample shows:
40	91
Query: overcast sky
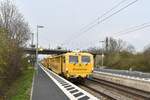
63	19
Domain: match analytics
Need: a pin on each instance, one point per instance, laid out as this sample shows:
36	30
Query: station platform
49	86
45	89
133	82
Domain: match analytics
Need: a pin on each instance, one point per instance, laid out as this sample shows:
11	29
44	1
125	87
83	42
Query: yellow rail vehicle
45	62
72	64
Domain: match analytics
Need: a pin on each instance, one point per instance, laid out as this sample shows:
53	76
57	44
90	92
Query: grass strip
20	89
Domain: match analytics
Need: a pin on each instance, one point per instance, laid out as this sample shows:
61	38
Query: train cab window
85	59
73	59
64	60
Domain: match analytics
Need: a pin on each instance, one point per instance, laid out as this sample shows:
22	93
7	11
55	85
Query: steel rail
96	91
128	90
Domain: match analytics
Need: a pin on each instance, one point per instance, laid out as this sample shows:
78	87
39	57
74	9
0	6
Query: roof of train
68	53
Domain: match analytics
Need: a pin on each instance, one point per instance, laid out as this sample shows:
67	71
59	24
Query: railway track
95	92
113	91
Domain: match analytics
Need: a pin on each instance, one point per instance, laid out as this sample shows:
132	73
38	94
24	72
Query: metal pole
102	55
102	63
49	46
37	44
32	38
37	49
32	47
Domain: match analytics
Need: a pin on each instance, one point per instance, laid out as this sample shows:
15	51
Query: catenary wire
104	19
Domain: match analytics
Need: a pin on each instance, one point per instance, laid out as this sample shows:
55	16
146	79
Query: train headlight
66	69
92	69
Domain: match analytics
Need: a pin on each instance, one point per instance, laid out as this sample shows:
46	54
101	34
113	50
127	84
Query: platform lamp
38	26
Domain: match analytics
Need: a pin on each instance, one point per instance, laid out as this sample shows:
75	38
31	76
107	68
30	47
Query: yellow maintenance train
71	64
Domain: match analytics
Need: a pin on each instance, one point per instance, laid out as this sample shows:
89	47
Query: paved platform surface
45	89
125	73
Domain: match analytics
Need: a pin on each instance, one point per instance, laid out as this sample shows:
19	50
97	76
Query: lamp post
32	38
38	26
102	63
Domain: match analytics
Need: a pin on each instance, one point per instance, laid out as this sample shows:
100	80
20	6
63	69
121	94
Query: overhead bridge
44	51
51	51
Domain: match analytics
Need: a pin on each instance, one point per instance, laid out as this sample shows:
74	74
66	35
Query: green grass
20	89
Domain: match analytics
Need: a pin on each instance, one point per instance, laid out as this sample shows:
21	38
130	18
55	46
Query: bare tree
12	20
115	45
147	49
14	33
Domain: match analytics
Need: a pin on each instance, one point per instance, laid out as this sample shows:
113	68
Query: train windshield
73	59
85	59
